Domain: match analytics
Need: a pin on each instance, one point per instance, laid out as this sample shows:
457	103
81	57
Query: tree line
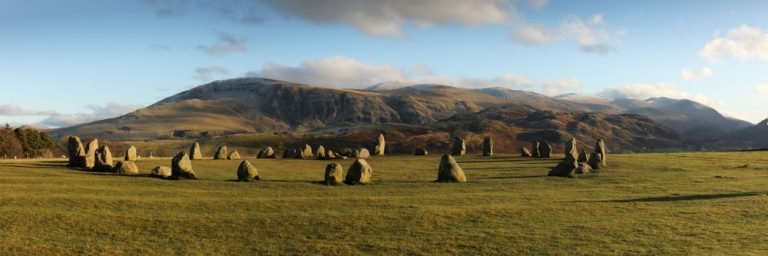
25	143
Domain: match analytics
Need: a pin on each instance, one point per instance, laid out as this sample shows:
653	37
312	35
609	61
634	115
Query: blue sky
66	62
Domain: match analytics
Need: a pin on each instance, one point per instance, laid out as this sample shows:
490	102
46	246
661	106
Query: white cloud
743	43
761	90
205	74
555	88
537	4
227	44
387	17
692	74
56	119
597	19
534	34
643	91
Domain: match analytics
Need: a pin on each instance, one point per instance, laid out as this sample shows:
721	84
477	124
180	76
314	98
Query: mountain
755	136
418	115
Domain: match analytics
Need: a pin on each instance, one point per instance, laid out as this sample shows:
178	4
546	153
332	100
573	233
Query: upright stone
583	156
104	161
194	152
524	152
459	147
76	152
234	155
90	153
487	146
331	155
320	153
307	152
333	174
537	150
363	153
381	145
545	150
571	150
181	167
594	160
221	153
126	167
600	148
246	172
450	171
130	154
421	152
266	152
359	173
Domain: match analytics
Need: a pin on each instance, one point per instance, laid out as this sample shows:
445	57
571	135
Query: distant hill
420	115
755	136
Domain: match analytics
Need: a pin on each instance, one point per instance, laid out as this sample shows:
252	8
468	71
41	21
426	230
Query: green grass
688	203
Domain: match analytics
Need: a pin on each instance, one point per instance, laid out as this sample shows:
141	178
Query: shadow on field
37	165
516	161
682	198
511	177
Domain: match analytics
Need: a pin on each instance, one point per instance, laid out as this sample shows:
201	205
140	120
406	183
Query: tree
33	142
10	146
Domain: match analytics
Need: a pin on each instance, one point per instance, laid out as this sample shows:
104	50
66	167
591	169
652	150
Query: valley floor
683	203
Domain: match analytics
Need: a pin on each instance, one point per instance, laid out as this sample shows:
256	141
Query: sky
75	61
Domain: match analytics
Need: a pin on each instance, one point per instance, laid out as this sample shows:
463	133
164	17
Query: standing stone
487	146
126	167
571	150
290	153
194	152
459	147
355	153
90	153
307	152
524	152
600	148
537	150
381	144
246	172
420	152
221	153
161	171
594	160
181	167
564	169
130	154
104	161
333	174
320	153
76	152
449	170
234	155
583	157
331	155
545	150
363	153
267	152
359	173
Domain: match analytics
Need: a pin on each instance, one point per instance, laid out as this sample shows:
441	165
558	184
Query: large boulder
333	174
307	152
161	171
76	152
267	152
363	153
600	148
320	153
487	146
450	171
359	173
194	152
329	154
583	168
545	150
381	145
571	150
524	152
537	149
130	154
181	167
234	155
564	169
126	167
246	172
221	153
90	153
421	152
459	147
104	161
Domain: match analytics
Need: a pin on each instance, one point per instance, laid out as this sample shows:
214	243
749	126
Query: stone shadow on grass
681	198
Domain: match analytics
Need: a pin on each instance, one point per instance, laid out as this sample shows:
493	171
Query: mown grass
687	203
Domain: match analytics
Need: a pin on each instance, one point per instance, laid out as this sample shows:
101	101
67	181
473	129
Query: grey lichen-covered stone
246	172
359	173
487	146
181	167
194	152
221	153
130	154
450	171
333	174
459	147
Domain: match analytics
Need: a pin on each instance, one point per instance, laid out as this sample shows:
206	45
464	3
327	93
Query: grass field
686	203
